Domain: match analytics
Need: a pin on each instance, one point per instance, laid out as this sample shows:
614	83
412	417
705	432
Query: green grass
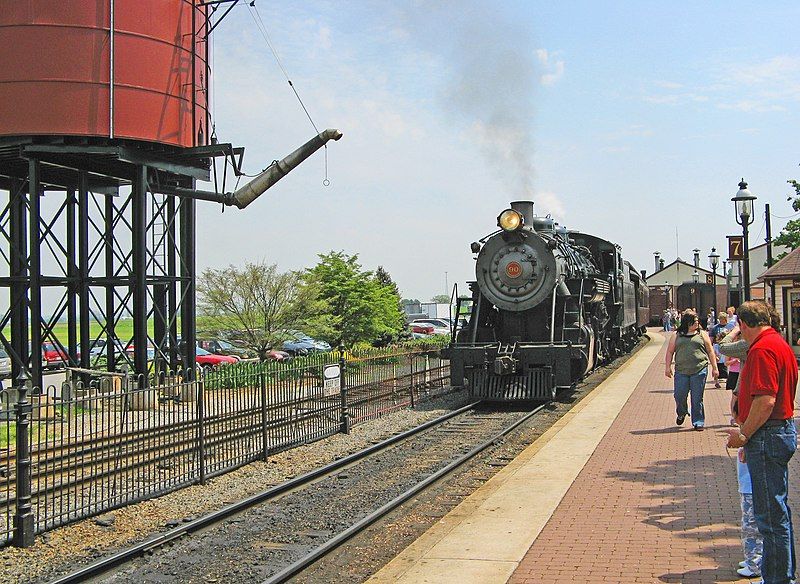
8	434
123	330
73	409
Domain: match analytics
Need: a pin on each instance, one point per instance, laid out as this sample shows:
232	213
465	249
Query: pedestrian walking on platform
767	385
711	321
733	319
722	326
734	348
693	354
752	542
667	320
722	368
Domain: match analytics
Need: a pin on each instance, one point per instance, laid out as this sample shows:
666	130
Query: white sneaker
742	564
747	572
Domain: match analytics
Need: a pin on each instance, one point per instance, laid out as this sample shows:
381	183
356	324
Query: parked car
97	348
220	347
54	356
276	355
5	364
420	330
440	326
208	360
301	344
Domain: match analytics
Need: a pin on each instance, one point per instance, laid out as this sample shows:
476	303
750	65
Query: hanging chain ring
326	182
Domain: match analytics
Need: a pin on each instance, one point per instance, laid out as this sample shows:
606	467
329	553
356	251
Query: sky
632	121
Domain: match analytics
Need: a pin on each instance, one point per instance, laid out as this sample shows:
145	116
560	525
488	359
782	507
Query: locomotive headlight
510	220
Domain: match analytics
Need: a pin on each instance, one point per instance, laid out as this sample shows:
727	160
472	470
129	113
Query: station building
673	285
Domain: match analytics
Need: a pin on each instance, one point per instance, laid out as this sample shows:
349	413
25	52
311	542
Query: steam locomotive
548	306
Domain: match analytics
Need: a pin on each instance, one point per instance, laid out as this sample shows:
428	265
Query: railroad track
104	455
427	453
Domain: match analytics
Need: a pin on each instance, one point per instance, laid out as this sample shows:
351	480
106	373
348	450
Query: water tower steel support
91	247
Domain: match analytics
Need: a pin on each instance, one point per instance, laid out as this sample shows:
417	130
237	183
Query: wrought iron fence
92	448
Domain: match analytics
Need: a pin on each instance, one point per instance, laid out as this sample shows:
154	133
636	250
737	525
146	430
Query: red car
421	329
208	360
53	356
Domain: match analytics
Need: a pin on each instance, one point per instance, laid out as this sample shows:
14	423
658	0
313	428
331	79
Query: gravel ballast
67	547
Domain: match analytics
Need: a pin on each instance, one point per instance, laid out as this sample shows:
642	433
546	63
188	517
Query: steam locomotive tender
548	306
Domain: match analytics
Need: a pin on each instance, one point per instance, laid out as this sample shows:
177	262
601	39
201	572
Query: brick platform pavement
655	502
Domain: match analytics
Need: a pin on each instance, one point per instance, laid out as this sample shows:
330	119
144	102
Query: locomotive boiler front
517	270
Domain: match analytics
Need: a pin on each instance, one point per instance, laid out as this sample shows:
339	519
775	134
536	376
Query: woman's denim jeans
696	385
767	454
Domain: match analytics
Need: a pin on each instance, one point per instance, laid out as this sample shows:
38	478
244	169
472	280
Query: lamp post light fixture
713	259
744	217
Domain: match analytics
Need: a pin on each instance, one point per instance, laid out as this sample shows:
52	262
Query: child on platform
752	543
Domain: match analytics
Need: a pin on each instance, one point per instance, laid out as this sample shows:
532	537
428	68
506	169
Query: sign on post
735	247
332	377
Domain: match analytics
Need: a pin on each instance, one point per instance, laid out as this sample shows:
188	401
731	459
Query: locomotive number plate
513	270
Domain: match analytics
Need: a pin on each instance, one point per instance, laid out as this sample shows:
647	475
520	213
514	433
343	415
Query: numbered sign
709	278
735	247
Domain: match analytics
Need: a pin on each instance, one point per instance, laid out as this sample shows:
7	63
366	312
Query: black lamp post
696	280
713	259
744	217
727	283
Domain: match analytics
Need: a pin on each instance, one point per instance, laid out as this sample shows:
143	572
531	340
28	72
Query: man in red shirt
767	432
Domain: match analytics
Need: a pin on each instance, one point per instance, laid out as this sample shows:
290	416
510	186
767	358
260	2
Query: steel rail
103	565
108	447
356	528
53	455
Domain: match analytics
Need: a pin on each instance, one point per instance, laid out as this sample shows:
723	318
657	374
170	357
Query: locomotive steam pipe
278	169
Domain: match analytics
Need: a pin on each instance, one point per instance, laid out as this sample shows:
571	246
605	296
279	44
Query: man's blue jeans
767	454
696	385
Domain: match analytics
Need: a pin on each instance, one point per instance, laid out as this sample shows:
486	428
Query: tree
790	235
441	299
384	279
360	307
258	302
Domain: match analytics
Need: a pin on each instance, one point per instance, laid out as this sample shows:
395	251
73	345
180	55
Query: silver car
5	364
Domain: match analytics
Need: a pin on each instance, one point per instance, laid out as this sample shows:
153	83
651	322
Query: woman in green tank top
693	353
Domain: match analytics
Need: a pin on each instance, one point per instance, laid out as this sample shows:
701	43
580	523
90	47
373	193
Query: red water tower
132	69
103	135
102	102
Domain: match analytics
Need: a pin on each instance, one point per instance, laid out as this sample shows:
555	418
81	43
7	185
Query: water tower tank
104	68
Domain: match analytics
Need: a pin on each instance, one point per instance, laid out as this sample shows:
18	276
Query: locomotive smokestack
525	208
278	169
